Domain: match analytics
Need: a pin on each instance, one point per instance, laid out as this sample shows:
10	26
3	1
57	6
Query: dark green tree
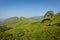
49	14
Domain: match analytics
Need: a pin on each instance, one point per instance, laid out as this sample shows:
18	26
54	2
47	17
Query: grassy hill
27	29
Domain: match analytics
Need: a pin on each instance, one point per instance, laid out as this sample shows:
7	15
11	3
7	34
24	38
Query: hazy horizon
27	8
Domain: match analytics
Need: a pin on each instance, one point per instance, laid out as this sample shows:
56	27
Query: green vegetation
45	28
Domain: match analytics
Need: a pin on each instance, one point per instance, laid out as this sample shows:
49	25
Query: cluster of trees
27	29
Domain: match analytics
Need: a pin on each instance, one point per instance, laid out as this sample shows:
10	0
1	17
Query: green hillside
27	29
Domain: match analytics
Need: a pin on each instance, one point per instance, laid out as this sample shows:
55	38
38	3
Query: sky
27	8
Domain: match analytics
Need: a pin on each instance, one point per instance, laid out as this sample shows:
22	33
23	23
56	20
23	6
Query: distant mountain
37	18
10	21
14	20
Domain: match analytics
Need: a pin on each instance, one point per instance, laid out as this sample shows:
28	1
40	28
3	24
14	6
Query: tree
49	14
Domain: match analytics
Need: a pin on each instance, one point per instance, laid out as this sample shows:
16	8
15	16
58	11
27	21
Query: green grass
27	29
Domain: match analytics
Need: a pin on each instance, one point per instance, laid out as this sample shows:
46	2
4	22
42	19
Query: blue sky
27	8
